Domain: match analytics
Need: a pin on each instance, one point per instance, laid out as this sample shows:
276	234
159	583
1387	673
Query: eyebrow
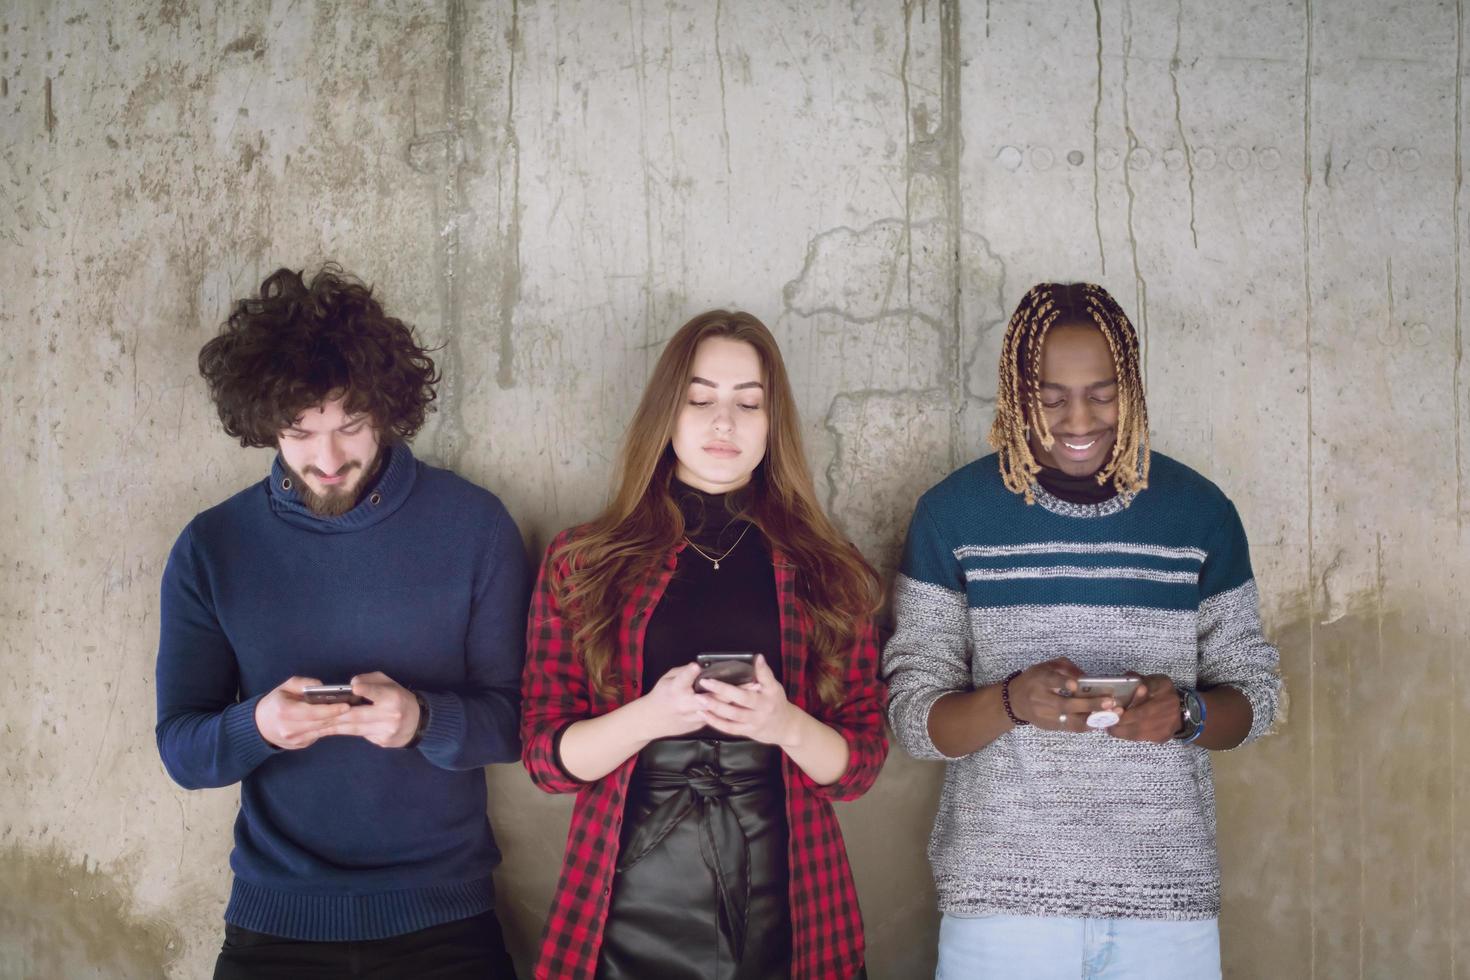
1092	387
697	380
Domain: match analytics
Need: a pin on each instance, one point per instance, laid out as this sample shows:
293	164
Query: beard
337	500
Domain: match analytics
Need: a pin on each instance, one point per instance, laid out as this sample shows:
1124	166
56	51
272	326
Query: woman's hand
757	711
673	707
1045	694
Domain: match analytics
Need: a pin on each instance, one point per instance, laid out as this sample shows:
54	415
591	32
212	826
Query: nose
331	457
724	419
1078	418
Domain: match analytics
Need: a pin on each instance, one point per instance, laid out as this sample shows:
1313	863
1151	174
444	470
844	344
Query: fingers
294	685
1062	714
305	712
681	678
730	694
364	727
1057	674
726	714
375	686
1066	666
763	673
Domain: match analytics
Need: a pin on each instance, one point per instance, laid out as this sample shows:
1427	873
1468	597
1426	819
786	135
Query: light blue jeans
1026	947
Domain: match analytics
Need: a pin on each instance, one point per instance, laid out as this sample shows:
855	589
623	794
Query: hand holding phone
1046	695
732	668
1121	689
286	720
332	694
758	710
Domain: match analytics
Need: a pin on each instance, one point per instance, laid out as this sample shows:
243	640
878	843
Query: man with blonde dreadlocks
1076	830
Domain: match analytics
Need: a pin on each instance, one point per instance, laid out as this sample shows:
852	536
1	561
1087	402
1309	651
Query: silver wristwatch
1191	715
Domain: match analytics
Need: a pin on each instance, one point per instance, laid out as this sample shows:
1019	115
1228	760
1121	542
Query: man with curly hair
362	846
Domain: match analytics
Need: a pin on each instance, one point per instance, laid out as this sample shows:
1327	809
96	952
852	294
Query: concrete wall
550	188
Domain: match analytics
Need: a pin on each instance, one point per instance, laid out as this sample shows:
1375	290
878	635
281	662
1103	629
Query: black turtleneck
1074	489
708	610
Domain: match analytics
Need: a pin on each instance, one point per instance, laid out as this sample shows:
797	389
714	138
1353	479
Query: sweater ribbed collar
386	494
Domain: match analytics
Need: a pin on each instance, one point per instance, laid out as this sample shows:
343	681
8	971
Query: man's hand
1153	714
389	721
285	720
1035	697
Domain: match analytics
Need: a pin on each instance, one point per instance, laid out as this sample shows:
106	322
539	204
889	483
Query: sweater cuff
248	746
445	731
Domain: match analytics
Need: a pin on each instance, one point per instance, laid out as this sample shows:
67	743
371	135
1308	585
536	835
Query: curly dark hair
297	345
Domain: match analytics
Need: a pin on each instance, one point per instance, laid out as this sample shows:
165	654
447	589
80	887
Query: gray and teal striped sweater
1052	823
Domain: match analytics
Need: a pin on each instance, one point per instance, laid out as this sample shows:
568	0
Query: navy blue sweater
426	580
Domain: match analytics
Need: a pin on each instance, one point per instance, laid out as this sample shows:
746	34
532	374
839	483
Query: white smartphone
1120	689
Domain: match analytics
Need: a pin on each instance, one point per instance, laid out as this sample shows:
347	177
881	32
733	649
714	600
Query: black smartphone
732	668
332	694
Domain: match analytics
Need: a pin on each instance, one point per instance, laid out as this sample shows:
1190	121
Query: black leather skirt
701	886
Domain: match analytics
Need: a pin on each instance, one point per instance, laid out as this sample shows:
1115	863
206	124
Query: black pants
470	949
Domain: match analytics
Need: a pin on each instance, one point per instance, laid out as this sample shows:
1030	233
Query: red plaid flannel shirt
826	926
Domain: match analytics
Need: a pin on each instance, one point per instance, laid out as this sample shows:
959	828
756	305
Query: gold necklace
727	550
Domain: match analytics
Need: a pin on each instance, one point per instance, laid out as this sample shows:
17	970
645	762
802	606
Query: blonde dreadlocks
1018	400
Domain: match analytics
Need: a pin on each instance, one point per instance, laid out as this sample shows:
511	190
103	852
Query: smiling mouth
1080	447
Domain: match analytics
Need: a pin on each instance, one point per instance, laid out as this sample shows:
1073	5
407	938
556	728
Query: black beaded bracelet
1005	698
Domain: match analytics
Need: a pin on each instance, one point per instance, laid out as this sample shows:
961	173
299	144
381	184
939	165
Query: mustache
346	468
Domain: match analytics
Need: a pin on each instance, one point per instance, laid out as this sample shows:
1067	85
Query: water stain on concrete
59	918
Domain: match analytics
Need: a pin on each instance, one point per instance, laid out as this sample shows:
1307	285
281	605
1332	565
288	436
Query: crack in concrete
1311	527
510	247
1389	272
950	62
1102	255
1140	287
426	154
1459	455
50	114
908	143
724	114
1459	342
790	290
634	35
1179	118
860	397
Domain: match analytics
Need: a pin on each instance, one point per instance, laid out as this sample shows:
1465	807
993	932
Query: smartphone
1120	689
332	694
732	668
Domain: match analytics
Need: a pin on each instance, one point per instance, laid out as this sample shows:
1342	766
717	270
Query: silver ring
1062	718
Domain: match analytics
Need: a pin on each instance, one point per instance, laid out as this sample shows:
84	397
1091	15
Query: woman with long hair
703	842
